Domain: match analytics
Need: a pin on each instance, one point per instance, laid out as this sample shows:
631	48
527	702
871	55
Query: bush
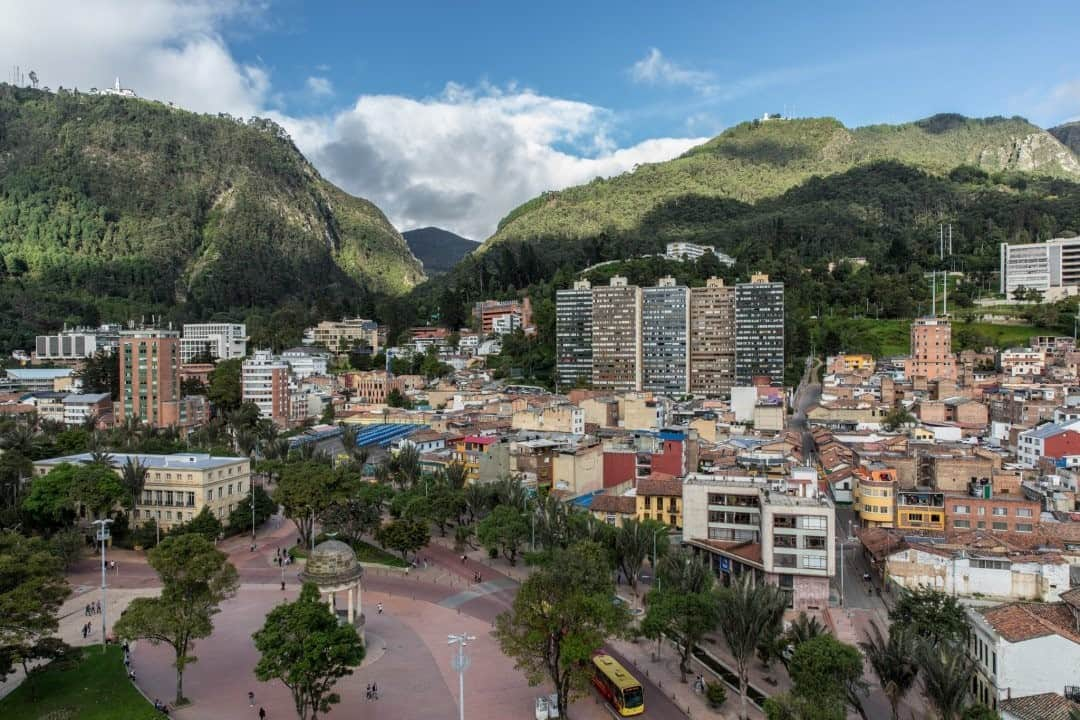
716	694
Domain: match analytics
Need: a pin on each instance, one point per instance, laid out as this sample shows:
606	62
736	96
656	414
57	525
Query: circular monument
333	568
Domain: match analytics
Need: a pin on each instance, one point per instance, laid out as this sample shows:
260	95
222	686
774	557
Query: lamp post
103	536
253	513
842	572
460	663
656	574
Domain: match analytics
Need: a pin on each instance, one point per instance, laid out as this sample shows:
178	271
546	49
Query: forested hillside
113	208
438	249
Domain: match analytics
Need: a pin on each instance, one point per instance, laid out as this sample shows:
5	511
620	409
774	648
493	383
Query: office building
306	361
759	331
264	381
616	336
220	341
150	379
487	311
1040	266
931	350
712	338
77	344
665	324
682	251
741	525
39	380
573	335
177	487
340	335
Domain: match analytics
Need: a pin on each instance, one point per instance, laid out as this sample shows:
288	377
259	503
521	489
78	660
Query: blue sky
452	113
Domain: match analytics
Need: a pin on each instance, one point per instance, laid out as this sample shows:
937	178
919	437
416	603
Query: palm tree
633	540
748	612
133	476
476	501
456	475
245	441
277	449
20	438
407	466
803	628
893	660
946	677
101	457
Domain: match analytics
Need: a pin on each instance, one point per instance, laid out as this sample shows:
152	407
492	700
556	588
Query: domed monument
333	568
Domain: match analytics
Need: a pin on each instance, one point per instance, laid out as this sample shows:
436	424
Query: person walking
251	699
262	713
379	606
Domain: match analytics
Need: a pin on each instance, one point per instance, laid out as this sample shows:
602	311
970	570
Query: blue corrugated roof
384	434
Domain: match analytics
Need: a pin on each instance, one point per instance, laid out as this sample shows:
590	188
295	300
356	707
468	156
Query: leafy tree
505	529
930	614
893	659
406	467
946	675
205	524
32	589
445	504
981	712
457	475
397	399
305	491
54	497
561	614
304	646
748	612
634	542
100	373
897	418
225	391
360	513
239	519
68	545
803	628
133	477
825	671
196	578
404	536
685	606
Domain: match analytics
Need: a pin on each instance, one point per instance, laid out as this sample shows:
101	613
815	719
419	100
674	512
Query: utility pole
460	663
103	536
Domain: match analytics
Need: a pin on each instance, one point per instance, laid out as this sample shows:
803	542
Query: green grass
368	553
893	337
94	688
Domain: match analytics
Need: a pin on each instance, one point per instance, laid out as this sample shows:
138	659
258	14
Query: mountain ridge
438	249
757	160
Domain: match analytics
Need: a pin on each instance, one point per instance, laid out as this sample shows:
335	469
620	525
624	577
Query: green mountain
1069	135
438	249
763	159
112	208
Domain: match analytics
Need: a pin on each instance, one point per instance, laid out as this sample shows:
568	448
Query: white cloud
320	86
461	160
655	69
1061	103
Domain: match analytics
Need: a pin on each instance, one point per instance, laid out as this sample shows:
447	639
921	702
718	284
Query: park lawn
95	688
366	552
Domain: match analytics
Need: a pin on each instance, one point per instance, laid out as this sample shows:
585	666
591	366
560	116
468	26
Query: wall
618	467
670	459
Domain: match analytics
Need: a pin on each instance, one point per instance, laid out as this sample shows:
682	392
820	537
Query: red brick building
1001	514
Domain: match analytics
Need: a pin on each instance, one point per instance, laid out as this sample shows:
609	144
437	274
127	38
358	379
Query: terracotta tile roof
660	484
620	504
1046	706
749	551
1020	621
879	542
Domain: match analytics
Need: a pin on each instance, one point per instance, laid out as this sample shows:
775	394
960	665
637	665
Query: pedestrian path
484	588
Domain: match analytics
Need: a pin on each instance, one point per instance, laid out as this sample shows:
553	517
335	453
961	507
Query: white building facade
223	341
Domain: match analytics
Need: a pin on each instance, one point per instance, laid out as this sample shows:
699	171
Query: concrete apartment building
373	386
177	486
565	418
712	339
264	380
1040	266
573	335
759	331
745	525
489	312
616	336
338	335
931	350
665	326
1013	645
150	379
223	341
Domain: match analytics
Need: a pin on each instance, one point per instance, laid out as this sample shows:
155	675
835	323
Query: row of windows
808	562
981	525
998	511
809	542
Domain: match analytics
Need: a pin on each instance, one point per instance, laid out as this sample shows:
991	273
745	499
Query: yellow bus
619	687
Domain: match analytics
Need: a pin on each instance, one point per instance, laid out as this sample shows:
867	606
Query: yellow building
854	363
874	497
613	509
486	458
920	509
578	470
177	486
659	497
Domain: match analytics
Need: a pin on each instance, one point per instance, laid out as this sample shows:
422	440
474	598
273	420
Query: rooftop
1045	706
38	373
191	461
1020	621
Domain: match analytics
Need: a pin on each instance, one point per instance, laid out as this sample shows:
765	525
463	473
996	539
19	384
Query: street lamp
460	663
103	536
656	573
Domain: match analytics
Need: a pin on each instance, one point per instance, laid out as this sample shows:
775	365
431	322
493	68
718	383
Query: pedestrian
131	675
282	586
462	559
380	608
367	692
262	713
374	691
251	699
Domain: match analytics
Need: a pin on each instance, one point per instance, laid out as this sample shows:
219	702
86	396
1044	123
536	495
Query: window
813	522
814	542
648	502
814	562
1023	512
784	541
783	560
672	520
960	509
962	524
1023	527
1000	525
1001	512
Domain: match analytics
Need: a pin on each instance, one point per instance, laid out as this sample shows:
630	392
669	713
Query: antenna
933	293
945	292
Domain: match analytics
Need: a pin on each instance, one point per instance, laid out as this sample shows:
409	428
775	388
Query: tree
304	646
68	546
406	467
897	418
100	373
457	475
205	523
803	628
893	659
562	613
240	518
445	504
305	490
405	536
824	672
32	589
225	391
634	542
133	477
504	530
685	606
359	514
748	612
930	614
946	677
397	399
54	497
981	712
196	577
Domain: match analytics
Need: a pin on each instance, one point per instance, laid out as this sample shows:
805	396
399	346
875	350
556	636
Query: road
132	571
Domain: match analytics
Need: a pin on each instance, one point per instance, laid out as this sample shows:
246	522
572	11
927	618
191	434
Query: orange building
150	379
931	350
